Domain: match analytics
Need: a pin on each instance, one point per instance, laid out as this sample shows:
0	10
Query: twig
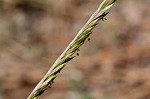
72	48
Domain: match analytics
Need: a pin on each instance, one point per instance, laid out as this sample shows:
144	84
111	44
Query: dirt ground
115	64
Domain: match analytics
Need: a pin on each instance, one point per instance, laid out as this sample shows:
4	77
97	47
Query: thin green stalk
72	48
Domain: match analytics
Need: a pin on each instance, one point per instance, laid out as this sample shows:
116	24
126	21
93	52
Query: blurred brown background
115	64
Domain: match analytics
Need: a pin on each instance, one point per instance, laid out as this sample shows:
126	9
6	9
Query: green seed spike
72	48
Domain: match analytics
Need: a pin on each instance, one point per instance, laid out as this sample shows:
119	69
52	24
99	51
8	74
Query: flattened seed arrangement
72	48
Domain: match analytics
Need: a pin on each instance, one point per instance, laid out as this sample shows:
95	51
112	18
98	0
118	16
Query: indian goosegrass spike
71	49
